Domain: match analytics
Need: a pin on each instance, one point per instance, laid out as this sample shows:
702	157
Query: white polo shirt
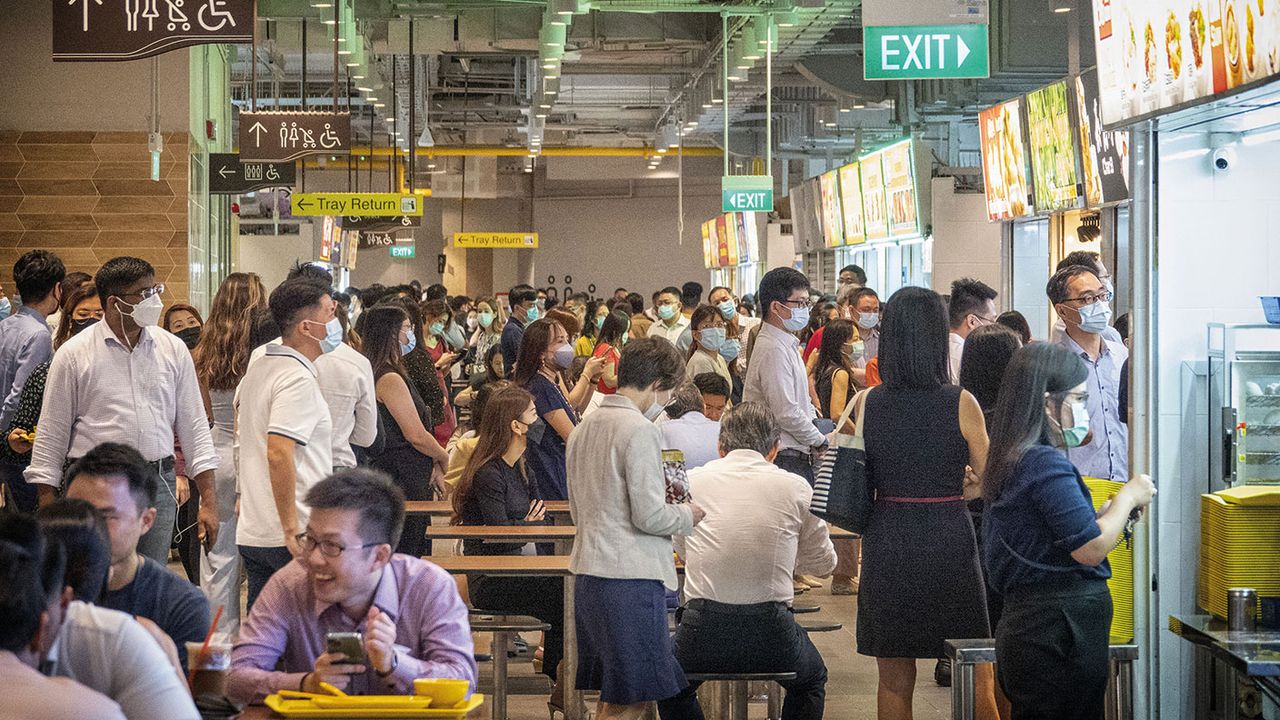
279	395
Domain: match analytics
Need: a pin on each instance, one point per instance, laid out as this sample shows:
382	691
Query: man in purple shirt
413	623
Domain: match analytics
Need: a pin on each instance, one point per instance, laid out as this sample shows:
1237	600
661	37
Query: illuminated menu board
1104	154
851	204
747	236
874	212
1155	55
832	217
1053	150
900	190
708	244
1004	161
722	243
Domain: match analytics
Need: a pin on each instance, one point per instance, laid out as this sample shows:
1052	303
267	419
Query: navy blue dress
546	457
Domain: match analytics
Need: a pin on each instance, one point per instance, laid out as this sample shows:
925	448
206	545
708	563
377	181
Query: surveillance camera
1223	159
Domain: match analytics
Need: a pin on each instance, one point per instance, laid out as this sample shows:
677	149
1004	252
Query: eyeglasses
327	547
156	289
1085	300
94	314
798	303
985	320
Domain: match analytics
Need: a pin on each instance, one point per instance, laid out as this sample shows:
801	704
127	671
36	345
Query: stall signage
851	204
89	30
829	208
229	176
746	193
1004	161
403	251
1105	154
924	12
920	52
380	224
902	204
281	136
1053	150
365	204
496	240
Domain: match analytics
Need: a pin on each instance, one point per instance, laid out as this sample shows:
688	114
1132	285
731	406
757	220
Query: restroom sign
94	30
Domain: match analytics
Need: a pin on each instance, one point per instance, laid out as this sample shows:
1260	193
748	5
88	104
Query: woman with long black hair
1044	547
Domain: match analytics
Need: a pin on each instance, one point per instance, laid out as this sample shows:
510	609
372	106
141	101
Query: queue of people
285	434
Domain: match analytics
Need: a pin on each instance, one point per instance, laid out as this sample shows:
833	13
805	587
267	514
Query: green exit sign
921	52
746	193
402	251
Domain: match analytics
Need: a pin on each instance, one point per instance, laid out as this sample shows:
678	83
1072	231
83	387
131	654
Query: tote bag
842	493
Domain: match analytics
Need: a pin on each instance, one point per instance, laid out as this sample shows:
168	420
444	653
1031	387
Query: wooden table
445	507
503	533
505	565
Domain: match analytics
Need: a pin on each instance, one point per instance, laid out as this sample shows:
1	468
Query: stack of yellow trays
1121	560
1239	544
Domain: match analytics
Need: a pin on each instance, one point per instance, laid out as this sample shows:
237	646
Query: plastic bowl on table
444	692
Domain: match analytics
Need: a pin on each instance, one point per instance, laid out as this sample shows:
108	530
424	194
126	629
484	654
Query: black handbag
842	492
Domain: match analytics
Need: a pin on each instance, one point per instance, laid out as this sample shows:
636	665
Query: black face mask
536	429
190	336
78	325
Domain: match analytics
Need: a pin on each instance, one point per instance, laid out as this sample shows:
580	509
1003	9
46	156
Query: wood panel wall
89	197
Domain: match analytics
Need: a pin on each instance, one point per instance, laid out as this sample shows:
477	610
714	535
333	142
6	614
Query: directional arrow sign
272	136
746	193
229	176
380	224
364	204
920	52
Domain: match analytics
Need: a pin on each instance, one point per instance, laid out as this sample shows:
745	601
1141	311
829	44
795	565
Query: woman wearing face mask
737	326
80	308
413	456
1045	548
431	360
488	334
709	337
184	321
840	350
545	353
497	488
594	317
614	335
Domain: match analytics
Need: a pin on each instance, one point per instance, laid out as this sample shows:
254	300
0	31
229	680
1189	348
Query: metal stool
805	609
503	627
772	694
966	654
732	693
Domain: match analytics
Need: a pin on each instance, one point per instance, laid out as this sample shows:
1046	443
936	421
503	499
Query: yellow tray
305	708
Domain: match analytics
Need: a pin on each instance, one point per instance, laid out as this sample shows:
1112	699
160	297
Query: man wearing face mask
1082	301
25	343
283	430
1092	261
524	310
125	380
776	375
973	304
671	323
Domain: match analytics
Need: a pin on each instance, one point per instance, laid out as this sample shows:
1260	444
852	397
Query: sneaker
942	673
812	582
841	585
799	587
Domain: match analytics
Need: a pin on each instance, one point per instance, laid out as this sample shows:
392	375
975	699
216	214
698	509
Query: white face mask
659	404
147	312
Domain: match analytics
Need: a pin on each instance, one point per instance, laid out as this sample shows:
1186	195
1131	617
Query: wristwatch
395	662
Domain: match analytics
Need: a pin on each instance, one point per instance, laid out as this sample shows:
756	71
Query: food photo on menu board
1104	154
900	188
745	223
708	243
851	204
1053	153
722	243
731	240
832	222
875	215
1004	161
1154	55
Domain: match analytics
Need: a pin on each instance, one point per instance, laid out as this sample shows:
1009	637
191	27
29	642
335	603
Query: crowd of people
281	438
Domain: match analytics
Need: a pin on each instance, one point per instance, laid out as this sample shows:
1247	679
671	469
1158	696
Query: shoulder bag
842	493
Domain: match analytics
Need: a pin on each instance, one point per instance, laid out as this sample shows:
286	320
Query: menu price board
851	204
708	242
1053	150
832	216
1155	55
729	240
874	211
900	190
1004	161
1104	154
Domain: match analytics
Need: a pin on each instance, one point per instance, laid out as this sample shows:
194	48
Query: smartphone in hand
350	644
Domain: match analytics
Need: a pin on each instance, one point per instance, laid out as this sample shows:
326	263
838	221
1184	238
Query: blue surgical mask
563	356
857	350
728	309
729	349
6	308
711	338
485	319
868	320
332	335
1095	318
407	347
532	313
798	320
666	312
437	328
600	321
1074	436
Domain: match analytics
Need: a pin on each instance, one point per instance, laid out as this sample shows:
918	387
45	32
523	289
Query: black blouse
500	495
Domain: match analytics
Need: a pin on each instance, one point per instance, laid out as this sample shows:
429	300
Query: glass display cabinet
1244	405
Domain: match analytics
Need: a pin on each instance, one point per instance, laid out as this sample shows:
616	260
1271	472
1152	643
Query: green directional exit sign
921	52
402	251
746	193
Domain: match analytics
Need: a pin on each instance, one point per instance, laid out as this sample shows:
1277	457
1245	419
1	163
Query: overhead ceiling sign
229	176
496	240
924	12
403	251
370	240
366	204
281	136
85	30
380	224
746	193
910	52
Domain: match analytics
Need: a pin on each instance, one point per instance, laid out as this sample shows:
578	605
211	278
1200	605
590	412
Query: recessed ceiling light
1062	9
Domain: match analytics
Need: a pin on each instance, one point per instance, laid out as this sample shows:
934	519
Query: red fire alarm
210	130
235	208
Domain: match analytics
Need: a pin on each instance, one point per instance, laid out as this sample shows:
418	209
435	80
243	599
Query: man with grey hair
687	428
738	567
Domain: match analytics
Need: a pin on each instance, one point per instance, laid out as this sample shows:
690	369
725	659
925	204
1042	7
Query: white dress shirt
108	651
695	436
672	333
757	533
346	381
279	395
776	377
957	351
99	391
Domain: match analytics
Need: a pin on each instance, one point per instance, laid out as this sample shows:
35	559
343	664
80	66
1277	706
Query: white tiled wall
964	243
1215	255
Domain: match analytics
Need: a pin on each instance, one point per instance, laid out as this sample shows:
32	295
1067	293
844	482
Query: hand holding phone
349	644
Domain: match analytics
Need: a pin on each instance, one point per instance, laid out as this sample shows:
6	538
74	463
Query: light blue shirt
695	436
1107	454
25	342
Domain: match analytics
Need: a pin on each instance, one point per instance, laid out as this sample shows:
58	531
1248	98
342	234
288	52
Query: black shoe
942	673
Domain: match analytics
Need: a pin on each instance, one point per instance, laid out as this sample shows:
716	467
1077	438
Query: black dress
921	582
410	469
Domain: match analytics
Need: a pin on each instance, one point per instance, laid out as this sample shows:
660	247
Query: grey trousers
155	543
